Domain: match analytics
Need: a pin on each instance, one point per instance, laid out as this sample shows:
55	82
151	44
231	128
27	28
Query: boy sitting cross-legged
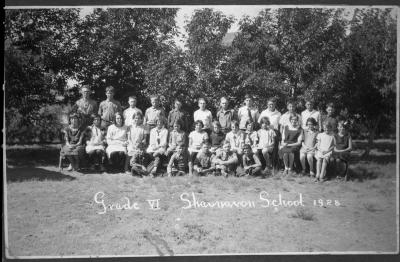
226	161
203	163
178	164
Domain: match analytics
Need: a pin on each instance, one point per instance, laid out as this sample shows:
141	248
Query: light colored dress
266	138
116	139
158	140
96	140
136	140
197	139
324	142
310	139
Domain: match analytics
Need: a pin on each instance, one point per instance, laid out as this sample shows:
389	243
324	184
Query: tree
371	88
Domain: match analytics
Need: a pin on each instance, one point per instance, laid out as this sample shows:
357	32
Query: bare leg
323	168
286	160
291	160
319	164
127	161
303	161
310	159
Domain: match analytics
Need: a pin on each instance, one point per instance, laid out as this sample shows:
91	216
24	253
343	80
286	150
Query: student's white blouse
273	116
306	115
204	116
158	138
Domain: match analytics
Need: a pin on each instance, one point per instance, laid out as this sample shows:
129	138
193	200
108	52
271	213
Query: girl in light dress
266	143
95	146
136	145
117	141
196	139
325	146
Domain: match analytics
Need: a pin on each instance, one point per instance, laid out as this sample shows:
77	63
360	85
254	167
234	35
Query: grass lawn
52	213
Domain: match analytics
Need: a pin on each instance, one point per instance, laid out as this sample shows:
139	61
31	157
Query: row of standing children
237	129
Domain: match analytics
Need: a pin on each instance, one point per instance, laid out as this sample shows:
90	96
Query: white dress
324	142
116	139
96	140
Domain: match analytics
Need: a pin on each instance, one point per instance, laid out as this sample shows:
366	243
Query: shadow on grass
20	174
378	159
386	146
361	174
33	156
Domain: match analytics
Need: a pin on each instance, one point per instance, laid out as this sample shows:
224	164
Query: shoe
69	168
316	180
303	173
312	174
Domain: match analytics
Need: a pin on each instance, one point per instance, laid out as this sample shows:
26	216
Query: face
96	121
178	105
271	106
247	151
160	124
202	104
249	127
327	129
154	102
85	93
216	129
248	102
341	128
224	103
310	126
205	148
109	94
226	147
177	127
132	102
179	150
330	110
198	127
118	120
294	121
137	120
290	107
234	127
74	121
265	125
309	106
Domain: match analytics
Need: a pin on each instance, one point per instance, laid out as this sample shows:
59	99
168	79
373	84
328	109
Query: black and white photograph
200	130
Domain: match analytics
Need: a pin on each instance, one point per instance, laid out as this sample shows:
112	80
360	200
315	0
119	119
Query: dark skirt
341	155
68	151
292	149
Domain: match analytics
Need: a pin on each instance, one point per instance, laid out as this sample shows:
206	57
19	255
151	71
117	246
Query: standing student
176	136
330	116
225	116
178	115
129	113
74	147
85	106
158	144
247	112
226	161
95	146
309	143
344	144
285	118
251	163
291	141
117	140
309	112
196	139
136	143
204	115
266	143
235	139
203	162
325	145
178	164
153	113
217	137
108	108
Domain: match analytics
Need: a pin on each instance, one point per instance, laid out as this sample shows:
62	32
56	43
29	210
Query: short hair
249	122
265	120
201	99
235	123
272	99
330	105
154	97
247	96
226	142
132	97
179	122
328	124
312	121
224	98
199	122
206	142
177	100
293	116
109	89
138	113
246	146
290	102
216	123
309	99
73	115
85	87
94	116
161	120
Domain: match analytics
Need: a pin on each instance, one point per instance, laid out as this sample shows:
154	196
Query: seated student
250	136
158	144
325	145
136	141
196	139
235	138
95	146
266	143
177	114
74	147
129	113
291	142
217	137
204	115
117	140
225	160
225	116
153	113
179	162
203	163
251	163
329	116
344	145
176	136
308	146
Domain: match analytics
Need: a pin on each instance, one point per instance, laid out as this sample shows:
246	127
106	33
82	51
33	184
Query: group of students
243	142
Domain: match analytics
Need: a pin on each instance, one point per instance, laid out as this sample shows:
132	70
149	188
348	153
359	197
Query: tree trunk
372	127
